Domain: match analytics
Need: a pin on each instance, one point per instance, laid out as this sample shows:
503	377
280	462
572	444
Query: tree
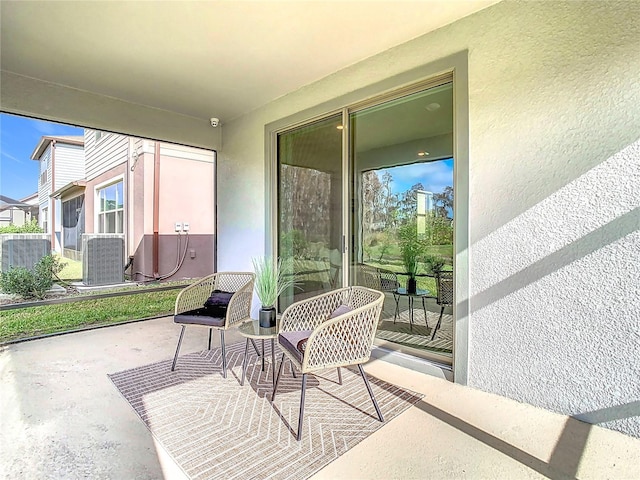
443	202
408	204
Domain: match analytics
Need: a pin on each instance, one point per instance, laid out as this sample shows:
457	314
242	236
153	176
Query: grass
72	271
45	319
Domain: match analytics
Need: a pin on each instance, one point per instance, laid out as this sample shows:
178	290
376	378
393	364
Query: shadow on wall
560	281
593	241
597	209
180	256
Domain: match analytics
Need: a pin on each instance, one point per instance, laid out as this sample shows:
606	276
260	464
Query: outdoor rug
214	428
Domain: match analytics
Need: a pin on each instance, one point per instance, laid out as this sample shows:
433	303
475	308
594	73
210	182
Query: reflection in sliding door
310	207
402	218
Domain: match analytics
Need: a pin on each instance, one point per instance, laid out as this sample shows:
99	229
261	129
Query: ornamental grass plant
273	277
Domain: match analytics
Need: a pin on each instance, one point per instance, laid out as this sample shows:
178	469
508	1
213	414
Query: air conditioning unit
23	249
102	259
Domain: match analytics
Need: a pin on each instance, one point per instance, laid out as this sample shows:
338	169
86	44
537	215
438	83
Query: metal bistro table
252	331
421	294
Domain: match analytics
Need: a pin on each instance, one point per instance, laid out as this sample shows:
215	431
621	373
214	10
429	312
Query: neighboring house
61	160
157	195
18	212
163	214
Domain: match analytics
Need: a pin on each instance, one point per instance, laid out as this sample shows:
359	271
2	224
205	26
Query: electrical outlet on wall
178	226
185	226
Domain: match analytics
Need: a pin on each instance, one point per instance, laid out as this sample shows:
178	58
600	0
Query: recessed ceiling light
422	154
432	107
339	127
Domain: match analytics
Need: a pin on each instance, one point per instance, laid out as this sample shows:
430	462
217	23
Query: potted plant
411	249
271	280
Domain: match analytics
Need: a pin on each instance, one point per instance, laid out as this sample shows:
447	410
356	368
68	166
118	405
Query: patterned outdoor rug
214	428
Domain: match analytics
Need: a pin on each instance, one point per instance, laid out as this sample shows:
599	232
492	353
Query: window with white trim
111	208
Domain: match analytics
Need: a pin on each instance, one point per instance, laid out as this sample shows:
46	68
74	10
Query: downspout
53	200
156	208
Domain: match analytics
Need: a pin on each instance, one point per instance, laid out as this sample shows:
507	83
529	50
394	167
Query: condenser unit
23	249
102	259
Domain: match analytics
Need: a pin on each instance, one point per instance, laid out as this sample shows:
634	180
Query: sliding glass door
401	190
310	233
397	197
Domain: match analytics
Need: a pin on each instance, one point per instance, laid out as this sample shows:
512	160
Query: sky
434	176
18	139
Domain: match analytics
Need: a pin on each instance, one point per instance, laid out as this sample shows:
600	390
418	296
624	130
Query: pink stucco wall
186	194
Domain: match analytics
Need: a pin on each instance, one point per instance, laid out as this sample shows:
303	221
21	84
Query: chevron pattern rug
216	429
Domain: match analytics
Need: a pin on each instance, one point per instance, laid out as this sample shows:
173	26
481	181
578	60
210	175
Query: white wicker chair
190	309
334	337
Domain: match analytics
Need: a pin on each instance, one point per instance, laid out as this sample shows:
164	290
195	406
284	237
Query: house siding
44	189
554	162
69	164
111	150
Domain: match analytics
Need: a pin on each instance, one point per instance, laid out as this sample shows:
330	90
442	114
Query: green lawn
40	320
72	271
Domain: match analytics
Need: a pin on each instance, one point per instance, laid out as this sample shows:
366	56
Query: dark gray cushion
200	316
217	303
294	342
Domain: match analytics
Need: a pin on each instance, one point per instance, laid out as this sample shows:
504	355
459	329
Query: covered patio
544	325
63	418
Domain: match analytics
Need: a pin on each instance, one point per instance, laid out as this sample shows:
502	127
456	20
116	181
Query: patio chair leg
293	369
397	311
275	387
339	376
373	399
244	362
224	355
424	309
301	416
210	330
438	324
175	358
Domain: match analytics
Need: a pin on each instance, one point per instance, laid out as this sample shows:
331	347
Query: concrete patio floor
63	418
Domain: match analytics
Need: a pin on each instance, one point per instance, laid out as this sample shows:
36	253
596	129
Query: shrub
31	227
31	283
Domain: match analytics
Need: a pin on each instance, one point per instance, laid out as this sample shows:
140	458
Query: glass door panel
310	236
401	189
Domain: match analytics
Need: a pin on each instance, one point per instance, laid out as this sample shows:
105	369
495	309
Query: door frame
457	65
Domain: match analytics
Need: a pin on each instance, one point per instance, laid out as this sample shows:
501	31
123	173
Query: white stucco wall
554	117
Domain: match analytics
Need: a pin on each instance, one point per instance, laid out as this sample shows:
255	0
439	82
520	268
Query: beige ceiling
210	58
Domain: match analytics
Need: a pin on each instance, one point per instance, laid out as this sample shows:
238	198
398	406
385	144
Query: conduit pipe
156	209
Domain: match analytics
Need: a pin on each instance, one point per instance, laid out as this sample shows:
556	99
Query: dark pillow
341	310
216	304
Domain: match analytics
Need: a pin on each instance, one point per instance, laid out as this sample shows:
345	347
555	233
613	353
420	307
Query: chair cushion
200	316
341	310
294	342
217	303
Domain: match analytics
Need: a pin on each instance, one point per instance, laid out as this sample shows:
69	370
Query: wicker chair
332	330
190	309
444	296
